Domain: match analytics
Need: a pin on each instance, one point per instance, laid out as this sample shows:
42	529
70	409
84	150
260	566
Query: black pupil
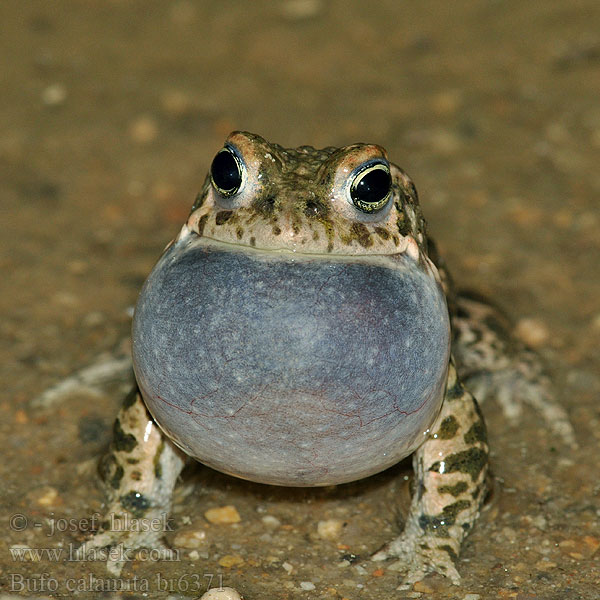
225	172
373	187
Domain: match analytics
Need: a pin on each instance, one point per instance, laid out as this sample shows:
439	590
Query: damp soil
110	113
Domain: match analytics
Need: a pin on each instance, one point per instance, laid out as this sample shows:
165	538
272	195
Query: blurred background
110	114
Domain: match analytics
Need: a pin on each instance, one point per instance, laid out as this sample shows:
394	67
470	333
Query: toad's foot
420	554
140	472
123	535
450	471
493	363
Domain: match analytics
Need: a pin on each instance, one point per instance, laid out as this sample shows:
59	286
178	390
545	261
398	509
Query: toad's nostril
314	209
265	205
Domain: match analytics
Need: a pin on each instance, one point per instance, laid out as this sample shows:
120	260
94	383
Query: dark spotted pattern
382	233
110	471
448	428
157	465
135	503
202	224
469	461
130	399
122	442
440	523
453	490
477	433
223	216
361	234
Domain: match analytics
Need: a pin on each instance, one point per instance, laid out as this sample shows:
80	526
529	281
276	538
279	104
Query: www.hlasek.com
72	553
194	583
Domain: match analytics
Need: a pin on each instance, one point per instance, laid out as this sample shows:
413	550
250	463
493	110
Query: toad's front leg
139	471
450	476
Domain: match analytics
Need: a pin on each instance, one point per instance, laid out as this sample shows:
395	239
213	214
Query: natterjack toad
301	330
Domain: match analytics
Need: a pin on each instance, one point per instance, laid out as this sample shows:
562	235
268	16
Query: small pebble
271	522
533	332
21	417
164	191
231	560
592	543
509	534
65	299
297	10
224	593
539	521
422	587
54	95
445	142
307	585
190	539
223	515
524	216
545	565
77	267
287	567
143	129
48	496
94	319
176	103
471	597
446	102
330	529
563	218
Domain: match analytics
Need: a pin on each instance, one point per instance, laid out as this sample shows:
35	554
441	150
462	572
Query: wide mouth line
291	252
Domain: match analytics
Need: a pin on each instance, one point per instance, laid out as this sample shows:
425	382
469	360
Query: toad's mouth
291	368
406	246
329	236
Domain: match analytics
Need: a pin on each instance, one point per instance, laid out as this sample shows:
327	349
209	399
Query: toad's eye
371	188
227	172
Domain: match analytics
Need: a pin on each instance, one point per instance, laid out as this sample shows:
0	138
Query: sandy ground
110	113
